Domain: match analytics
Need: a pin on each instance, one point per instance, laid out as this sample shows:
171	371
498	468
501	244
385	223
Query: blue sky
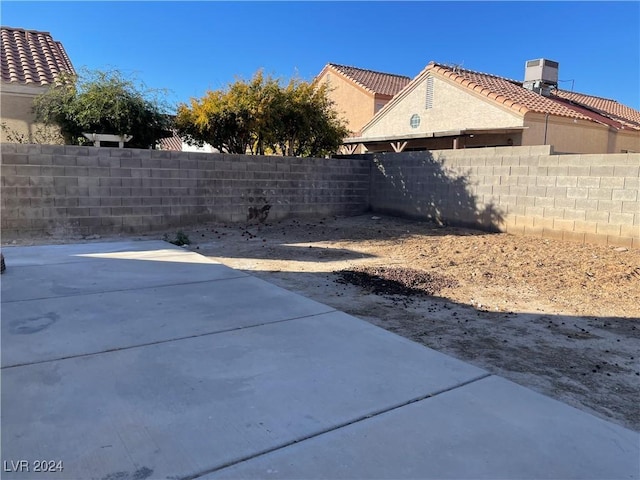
190	47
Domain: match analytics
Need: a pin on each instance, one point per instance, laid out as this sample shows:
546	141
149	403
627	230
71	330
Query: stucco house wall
355	104
452	109
577	136
627	142
16	111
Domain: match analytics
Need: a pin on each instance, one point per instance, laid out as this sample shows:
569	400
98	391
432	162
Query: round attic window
415	120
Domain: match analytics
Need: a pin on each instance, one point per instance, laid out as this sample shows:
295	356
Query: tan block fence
521	190
49	189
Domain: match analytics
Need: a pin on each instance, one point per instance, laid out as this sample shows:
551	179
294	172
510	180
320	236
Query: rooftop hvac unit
541	70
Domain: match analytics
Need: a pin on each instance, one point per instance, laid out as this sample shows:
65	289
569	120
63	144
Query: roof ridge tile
369	70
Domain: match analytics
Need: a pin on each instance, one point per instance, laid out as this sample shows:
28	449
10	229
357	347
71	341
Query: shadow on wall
417	185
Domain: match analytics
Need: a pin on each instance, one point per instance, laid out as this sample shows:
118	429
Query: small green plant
180	240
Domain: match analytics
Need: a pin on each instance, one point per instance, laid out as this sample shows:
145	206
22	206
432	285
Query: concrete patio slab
22	256
141	360
53	328
489	429
80	270
186	407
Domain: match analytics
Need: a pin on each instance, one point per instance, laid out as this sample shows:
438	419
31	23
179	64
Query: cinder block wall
49	189
523	190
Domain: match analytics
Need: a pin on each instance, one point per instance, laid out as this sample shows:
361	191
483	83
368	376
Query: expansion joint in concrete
159	342
337	427
102	292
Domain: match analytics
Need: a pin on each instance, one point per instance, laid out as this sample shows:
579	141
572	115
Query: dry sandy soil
560	318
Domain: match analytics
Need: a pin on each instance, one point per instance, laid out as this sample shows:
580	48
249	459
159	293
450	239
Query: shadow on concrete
420	186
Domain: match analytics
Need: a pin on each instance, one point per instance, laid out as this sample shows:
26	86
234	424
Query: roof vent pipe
541	76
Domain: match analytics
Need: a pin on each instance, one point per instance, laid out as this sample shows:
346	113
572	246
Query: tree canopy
261	116
104	102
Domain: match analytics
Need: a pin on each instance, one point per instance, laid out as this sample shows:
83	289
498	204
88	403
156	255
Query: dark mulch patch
395	280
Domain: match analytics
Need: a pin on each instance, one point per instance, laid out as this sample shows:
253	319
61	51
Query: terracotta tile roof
31	57
375	82
609	108
513	95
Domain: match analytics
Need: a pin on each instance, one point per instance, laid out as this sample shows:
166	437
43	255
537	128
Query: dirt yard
560	318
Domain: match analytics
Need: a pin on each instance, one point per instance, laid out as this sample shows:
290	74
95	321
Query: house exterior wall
627	141
565	135
15	112
453	109
16	104
578	136
354	104
380	102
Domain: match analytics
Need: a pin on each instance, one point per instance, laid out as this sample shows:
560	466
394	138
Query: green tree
309	125
104	102
261	116
264	98
216	120
235	120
